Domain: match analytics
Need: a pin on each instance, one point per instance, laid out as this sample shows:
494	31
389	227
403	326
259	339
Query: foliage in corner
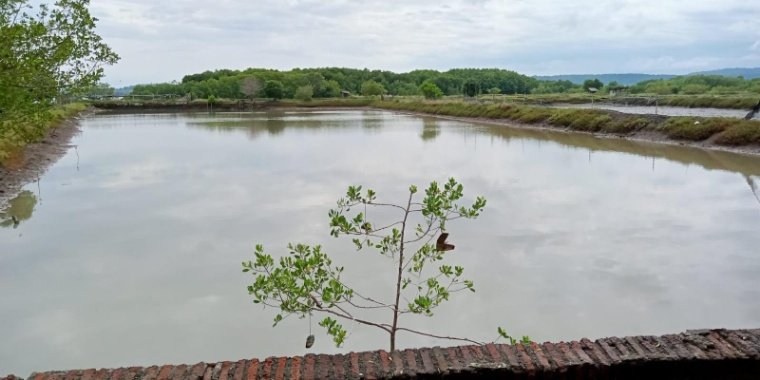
45	58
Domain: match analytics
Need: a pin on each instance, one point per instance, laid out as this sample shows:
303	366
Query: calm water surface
128	250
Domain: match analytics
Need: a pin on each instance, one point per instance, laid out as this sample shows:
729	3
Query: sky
161	41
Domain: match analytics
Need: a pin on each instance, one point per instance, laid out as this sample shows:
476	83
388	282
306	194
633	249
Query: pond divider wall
696	354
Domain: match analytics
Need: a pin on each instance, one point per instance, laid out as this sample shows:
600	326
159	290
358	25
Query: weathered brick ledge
698	354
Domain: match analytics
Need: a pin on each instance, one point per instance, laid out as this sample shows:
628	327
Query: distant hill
630	79
746	72
623	79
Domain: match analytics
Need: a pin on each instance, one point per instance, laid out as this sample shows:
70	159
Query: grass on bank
739	101
727	131
17	132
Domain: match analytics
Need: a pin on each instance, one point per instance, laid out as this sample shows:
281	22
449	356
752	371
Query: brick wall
703	354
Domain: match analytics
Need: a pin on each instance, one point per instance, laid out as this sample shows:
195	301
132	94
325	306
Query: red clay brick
253	370
456	363
581	354
369	369
427	361
72	375
542	362
638	350
477	353
115	374
467	357
511	354
179	372
493	353
726	347
89	374
239	370
196	372
224	373
627	351
410	362
295	368
398	363
710	350
101	374
355	371
308	367
323	366
675	345
700	347
555	357
664	346
611	352
165	372
741	340
527	362
439	360
338	365
266	368
385	363
279	373
566	352
594	352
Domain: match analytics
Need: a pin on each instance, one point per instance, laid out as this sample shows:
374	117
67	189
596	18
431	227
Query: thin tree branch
439	336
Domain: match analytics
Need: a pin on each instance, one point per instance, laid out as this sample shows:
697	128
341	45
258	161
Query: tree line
332	81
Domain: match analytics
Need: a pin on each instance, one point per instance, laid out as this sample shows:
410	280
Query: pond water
128	250
664	110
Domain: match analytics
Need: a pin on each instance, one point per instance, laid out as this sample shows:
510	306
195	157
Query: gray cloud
161	41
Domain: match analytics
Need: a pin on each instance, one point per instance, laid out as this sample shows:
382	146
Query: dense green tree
372	88
330	89
494	91
250	86
304	93
471	88
430	90
329	81
592	83
274	89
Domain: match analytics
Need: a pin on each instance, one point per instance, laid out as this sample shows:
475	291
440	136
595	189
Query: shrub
626	125
747	132
693	129
304	93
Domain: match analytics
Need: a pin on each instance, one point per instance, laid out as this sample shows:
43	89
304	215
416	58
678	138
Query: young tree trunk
394	327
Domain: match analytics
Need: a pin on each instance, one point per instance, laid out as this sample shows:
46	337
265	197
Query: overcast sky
164	40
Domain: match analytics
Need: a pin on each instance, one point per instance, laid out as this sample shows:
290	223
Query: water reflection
19	209
753	186
430	129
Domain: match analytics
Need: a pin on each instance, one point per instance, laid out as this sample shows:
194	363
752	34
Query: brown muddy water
128	250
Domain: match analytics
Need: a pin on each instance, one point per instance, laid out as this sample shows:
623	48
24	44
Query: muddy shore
38	157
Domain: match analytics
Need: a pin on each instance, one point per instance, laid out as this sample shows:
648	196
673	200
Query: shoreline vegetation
31	131
729	134
28	160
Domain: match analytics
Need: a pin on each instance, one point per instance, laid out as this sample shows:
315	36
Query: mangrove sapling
305	282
